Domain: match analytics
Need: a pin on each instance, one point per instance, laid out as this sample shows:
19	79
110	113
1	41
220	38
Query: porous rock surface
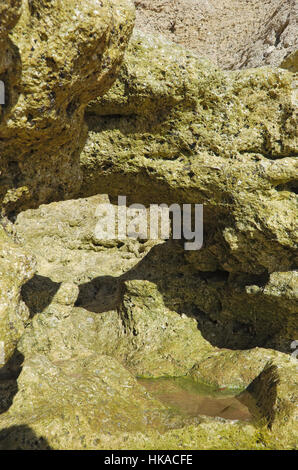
232	33
227	140
16	267
103	314
57	58
93	315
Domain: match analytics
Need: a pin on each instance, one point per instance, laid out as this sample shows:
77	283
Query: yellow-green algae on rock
174	129
58	56
106	314
95	403
291	62
169	109
16	267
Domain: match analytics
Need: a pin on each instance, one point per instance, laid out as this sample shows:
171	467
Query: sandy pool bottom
189	398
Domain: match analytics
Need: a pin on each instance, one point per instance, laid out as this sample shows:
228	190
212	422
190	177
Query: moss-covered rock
174	129
58	58
78	403
95	403
186	132
160	341
126	311
183	110
16	267
275	394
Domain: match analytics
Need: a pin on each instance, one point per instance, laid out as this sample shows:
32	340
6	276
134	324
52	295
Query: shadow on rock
8	380
100	295
38	293
186	291
21	438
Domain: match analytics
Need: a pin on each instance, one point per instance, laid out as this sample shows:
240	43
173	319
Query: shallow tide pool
192	399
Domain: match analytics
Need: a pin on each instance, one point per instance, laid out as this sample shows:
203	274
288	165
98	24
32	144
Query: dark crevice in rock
248	279
291	186
280	31
99	295
231	334
264	390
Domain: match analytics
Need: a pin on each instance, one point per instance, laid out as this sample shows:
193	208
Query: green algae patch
16	267
175	129
151	329
57	57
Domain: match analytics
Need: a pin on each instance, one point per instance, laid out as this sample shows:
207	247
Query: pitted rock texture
99	313
95	403
16	267
76	268
276	40
104	287
81	403
100	310
58	57
232	33
186	132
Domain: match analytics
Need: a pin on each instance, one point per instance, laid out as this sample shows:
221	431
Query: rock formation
16	267
186	132
82	318
56	60
50	72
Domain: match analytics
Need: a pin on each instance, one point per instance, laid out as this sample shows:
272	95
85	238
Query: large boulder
92	296
104	312
77	404
95	403
57	58
186	132
102	309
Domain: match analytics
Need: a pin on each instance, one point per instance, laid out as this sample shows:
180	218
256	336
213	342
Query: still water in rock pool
192	399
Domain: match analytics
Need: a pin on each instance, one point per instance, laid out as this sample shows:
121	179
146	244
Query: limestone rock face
95	403
9	62
275	391
80	403
160	342
291	62
270	378
94	314
104	314
58	58
16	267
10	12
105	290
185	132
